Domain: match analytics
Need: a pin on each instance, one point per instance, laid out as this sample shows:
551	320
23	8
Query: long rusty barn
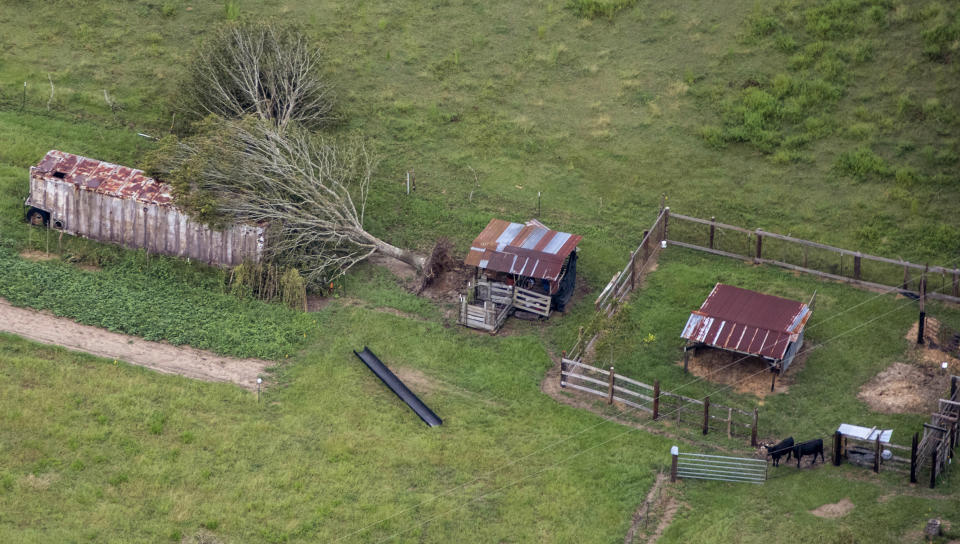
112	203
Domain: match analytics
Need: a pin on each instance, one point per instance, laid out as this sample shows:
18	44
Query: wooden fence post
837	439
686	358
956	282
675	453
933	467
666	221
753	429
759	246
876	455
633	270
913	458
610	394
906	277
713	229
729	422
656	399
563	367
954	383
706	414
856	266
923	314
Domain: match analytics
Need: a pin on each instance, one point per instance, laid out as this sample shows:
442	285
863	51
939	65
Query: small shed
118	204
750	323
519	266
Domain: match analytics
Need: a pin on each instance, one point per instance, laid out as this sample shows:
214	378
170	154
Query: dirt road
181	360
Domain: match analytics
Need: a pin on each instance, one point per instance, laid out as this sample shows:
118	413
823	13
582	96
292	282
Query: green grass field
835	121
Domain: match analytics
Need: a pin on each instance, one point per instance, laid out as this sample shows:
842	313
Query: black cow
810	447
784	447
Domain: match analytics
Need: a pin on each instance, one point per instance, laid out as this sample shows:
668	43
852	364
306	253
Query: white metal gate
717	467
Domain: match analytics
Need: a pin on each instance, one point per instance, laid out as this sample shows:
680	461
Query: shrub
861	163
599	8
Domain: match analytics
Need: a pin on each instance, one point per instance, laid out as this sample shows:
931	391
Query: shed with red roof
118	204
750	323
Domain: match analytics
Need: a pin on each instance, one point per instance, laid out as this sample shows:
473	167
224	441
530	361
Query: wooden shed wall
157	229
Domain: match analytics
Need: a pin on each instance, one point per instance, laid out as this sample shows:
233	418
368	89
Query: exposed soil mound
744	374
834	510
905	388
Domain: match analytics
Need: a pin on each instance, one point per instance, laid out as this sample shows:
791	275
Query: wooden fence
935	449
661	405
717	467
626	280
829	262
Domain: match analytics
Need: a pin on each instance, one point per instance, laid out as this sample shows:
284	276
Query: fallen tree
311	191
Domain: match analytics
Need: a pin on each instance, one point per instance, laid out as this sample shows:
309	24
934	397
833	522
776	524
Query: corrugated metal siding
531	250
745	321
117	204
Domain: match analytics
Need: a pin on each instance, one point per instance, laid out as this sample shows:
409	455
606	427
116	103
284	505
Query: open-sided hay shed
112	203
749	323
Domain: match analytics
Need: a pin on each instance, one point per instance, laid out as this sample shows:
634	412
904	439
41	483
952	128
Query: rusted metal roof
103	177
748	322
531	250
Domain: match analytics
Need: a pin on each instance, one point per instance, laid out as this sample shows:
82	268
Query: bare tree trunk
404	255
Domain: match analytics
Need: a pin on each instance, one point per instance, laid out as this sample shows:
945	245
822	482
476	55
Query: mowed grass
93	451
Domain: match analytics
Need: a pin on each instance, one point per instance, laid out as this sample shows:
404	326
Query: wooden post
713	230
906	277
656	399
563	367
675	453
876	454
773	380
753	429
805	256
837	448
729	422
933	467
956	283
706	415
856	266
759	245
666	220
954	383
923	314
913	458
610	393
686	358
633	270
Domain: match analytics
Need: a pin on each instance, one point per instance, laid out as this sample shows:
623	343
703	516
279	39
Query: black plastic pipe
393	382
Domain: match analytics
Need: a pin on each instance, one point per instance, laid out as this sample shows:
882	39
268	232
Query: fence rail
613	387
822	260
717	467
626	280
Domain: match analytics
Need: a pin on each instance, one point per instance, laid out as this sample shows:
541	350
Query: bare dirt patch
905	389
744	374
930	352
181	360
400	269
37	256
834	510
656	502
414	379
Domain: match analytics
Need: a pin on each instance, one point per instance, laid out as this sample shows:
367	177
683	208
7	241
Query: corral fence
824	261
716	467
626	280
660	405
935	450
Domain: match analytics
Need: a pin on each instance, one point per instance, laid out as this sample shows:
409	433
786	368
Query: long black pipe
393	382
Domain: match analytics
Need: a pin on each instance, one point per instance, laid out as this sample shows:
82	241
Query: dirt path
181	360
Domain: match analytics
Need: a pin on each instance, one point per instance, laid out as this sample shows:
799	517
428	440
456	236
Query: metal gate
716	467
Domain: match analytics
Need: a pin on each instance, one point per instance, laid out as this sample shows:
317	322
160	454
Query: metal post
538	203
675	453
563	367
656	399
837	439
706	414
913	458
610	389
876	454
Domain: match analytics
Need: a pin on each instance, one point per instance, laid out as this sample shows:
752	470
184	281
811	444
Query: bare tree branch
258	69
312	192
